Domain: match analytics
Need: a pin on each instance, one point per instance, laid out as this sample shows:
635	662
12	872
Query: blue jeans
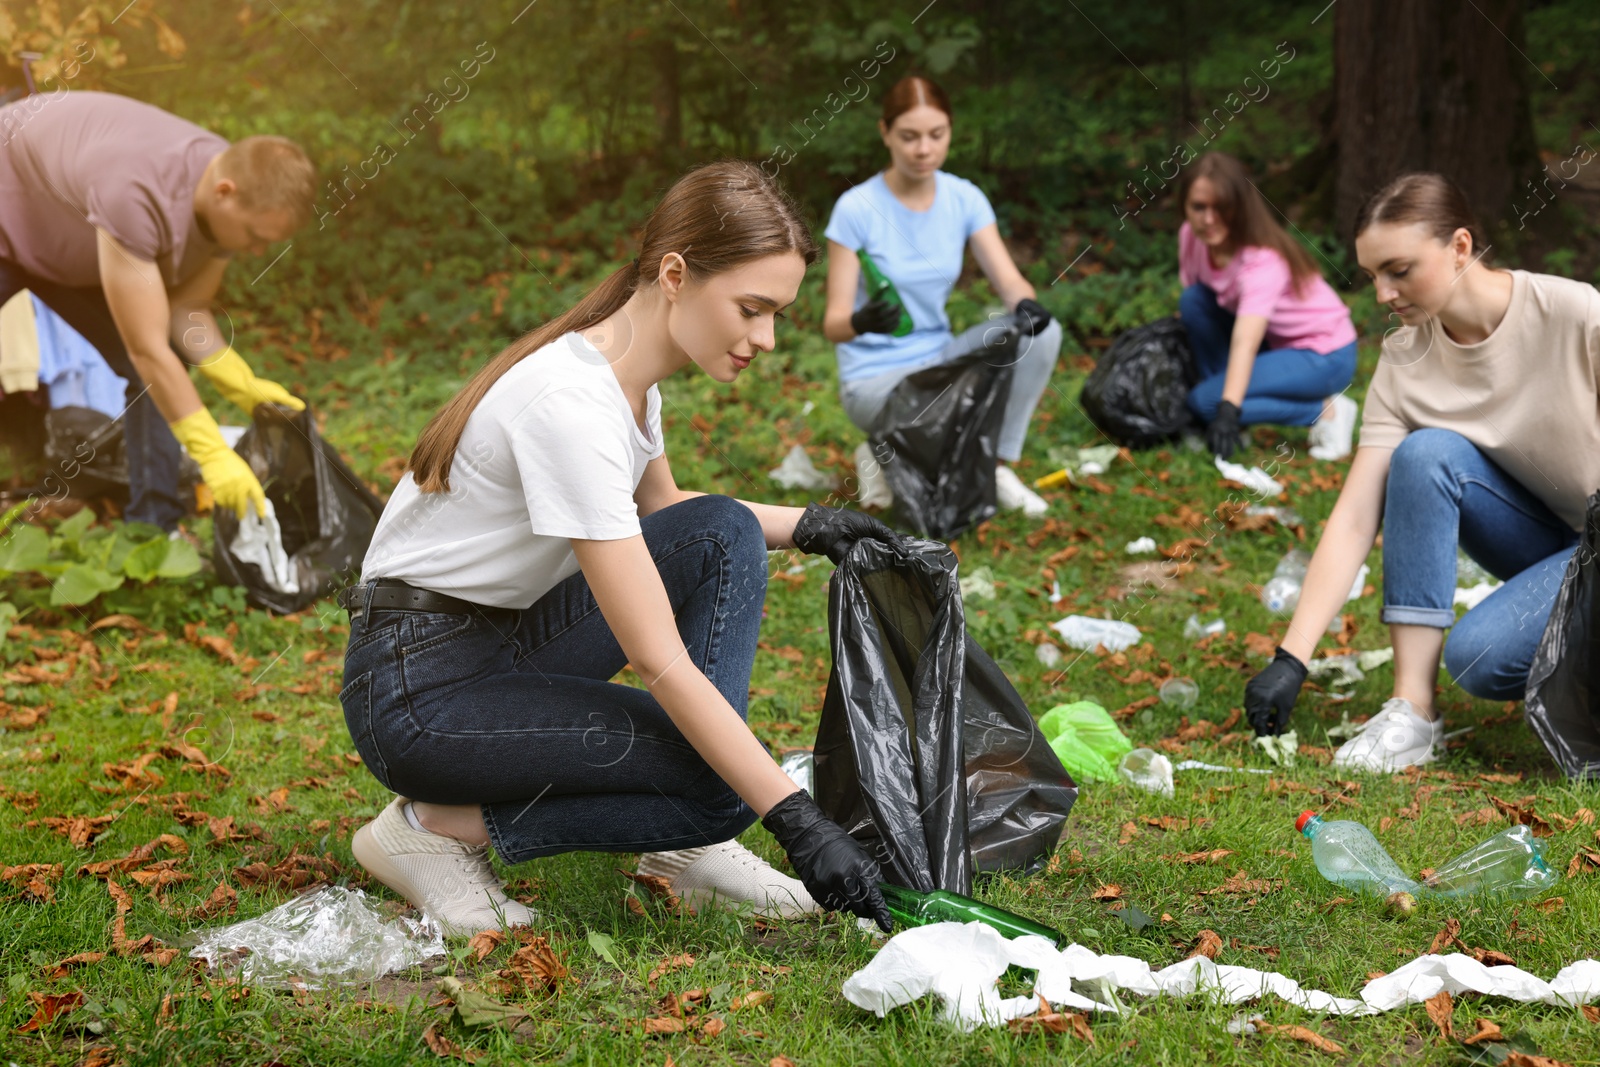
153	453
514	709
1287	385
865	398
1442	492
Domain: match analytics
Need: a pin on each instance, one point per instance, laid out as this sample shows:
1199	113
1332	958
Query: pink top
1257	281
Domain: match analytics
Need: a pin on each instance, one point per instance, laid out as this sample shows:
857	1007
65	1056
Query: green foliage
79	562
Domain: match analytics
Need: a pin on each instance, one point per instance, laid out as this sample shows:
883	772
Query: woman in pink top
1271	340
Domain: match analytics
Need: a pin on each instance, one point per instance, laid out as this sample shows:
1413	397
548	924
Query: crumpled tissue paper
960	963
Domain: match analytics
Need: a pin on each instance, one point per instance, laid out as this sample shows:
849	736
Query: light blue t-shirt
920	251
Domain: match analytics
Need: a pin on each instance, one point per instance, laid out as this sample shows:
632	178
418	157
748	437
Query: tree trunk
667	97
1431	85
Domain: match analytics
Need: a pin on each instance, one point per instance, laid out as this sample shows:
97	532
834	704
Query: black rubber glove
1270	695
879	316
834	869
1223	432
1031	317
834	531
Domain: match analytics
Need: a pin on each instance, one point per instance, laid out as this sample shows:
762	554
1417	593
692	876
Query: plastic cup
1179	692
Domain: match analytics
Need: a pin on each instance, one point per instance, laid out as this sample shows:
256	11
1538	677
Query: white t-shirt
551	452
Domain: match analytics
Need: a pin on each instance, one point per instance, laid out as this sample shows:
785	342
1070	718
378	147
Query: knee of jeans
1475	657
736	527
1203	402
1427	453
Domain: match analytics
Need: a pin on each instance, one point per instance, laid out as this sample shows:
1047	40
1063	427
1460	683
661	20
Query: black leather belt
391	594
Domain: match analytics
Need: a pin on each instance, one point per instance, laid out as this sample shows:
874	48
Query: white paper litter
1344	669
797	472
1471	598
1374	658
1254	479
1141	545
1196	765
979	585
960	964
260	541
1084	633
1148	770
328	936
1360	584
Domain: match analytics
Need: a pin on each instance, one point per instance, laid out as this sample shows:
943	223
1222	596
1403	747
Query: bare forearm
167	379
1343	548
717	733
1248	333
777	523
1016	292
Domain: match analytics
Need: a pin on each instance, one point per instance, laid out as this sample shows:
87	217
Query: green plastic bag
1086	739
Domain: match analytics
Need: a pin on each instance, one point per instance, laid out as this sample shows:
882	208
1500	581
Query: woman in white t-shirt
915	222
538	544
1482	430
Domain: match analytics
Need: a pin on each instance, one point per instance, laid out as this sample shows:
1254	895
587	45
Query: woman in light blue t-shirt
916	222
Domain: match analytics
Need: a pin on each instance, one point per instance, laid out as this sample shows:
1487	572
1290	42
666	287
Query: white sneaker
874	486
449	880
1392	740
730	874
1012	495
1331	435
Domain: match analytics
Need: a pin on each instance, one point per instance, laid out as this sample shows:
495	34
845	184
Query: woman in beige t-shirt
1481	430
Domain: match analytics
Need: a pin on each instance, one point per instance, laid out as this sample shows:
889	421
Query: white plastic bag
1082	632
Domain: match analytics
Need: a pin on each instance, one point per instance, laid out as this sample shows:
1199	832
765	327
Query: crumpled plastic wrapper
260	541
798	472
960	963
331	936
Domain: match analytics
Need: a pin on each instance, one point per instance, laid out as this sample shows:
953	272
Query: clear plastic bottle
1179	692
1281	595
1347	854
1294	564
912	908
1511	863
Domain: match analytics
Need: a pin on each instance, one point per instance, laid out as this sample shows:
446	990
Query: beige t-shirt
1528	395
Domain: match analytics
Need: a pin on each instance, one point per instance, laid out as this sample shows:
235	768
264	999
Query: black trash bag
940	431
84	449
1138	392
326	513
1563	697
925	753
85	453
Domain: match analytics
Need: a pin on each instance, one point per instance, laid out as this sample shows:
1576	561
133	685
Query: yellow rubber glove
231	481
234	379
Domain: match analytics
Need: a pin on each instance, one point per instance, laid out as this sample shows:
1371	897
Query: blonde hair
718	216
273	174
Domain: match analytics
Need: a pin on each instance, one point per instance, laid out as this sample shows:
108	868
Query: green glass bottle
912	908
879	287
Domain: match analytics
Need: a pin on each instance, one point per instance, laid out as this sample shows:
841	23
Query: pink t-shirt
1257	281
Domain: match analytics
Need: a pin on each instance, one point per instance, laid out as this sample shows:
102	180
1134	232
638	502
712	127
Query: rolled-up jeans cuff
1438	618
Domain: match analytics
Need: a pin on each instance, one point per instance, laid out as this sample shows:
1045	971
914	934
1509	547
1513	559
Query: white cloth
960	964
551	452
259	540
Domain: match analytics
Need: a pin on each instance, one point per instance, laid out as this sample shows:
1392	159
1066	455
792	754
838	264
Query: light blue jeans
1443	492
864	398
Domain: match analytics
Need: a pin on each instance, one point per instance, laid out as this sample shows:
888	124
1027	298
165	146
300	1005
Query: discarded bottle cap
1305	817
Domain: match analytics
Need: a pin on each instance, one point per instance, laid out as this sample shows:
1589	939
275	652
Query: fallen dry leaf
1551	906
295	871
663	1024
222	901
1441	1009
753	999
535	965
34	880
1208	944
1241	884
1449	935
1522	1059
1129	832
444	1048
1487	1031
1299	1033
667	966
1584	862
1107	892
484	942
1590	1012
658	888
48	1007
137	858
713	1026
1216	855
1050	1021
61	968
81	830
780	1061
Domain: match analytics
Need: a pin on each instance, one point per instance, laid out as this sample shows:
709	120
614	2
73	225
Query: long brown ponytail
717	217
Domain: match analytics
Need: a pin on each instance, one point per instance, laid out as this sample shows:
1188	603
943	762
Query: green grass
277	737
